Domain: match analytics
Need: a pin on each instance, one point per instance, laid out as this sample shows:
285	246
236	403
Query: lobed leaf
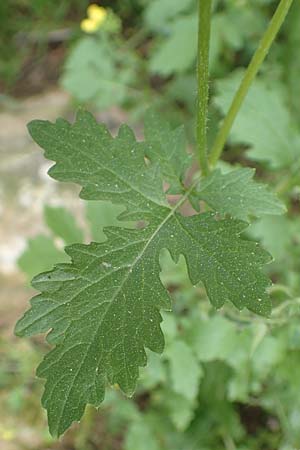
103	307
237	194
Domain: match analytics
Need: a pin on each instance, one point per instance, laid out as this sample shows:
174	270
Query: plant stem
228	441
203	87
248	78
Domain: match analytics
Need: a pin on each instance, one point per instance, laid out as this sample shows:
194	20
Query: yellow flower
6	435
89	26
96	16
97	13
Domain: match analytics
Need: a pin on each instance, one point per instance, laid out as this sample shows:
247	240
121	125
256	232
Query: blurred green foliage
21	20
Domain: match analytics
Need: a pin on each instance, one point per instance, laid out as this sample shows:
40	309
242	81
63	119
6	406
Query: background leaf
264	122
185	371
40	255
178	51
62	224
95	72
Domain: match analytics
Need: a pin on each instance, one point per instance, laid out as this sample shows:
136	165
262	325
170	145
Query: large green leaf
103	307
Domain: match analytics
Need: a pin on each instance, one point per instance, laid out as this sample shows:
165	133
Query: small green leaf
215	339
140	436
276	234
180	409
160	12
96	71
63	224
178	51
154	373
267	355
40	255
104	214
185	371
237	194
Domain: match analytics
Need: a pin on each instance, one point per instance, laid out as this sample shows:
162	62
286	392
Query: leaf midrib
169	216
